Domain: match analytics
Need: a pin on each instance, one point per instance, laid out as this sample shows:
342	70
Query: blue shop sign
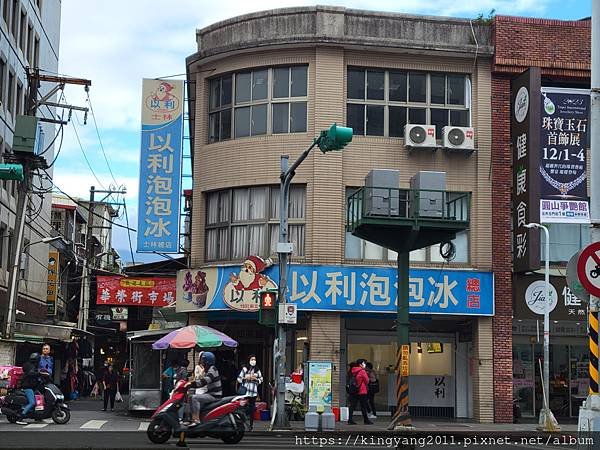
363	289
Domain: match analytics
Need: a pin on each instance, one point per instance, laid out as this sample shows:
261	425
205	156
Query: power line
85	155
99	139
128	232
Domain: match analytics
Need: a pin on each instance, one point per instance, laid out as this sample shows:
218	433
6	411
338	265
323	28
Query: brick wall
562	50
7	353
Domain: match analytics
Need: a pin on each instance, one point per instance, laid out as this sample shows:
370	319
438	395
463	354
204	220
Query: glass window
298	117
281	79
259	84
259	119
566	239
242	122
456	89
214	125
214	93
280	117
375	84
459	117
226	91
417	87
438	88
397	86
417	115
375	120
439	118
242	87
226	124
299	81
253	227
397	120
356	84
356	118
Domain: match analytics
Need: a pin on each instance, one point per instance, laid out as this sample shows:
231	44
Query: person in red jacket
362	380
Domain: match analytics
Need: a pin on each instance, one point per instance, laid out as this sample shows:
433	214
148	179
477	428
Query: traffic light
11	172
267	314
336	138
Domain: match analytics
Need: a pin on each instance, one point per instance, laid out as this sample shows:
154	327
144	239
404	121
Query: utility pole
336	138
88	262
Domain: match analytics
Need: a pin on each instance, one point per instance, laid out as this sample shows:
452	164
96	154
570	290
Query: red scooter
224	419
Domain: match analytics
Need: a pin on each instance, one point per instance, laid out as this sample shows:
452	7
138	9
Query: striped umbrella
194	336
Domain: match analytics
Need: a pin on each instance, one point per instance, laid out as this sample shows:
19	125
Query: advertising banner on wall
160	166
52	290
337	288
525	119
319	383
563	144
121	291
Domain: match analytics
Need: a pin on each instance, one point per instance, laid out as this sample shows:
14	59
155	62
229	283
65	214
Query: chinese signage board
562	157
431	390
525	119
530	299
160	166
52	288
319	383
349	288
119	313
404	361
121	291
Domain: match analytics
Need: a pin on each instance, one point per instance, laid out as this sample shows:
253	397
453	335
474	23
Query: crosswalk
86	425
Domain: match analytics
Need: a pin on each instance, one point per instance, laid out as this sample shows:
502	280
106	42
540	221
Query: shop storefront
569	354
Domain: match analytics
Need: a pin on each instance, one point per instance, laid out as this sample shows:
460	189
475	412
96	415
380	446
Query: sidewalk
425	426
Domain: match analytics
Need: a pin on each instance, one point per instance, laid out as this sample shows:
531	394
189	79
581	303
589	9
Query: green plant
482	20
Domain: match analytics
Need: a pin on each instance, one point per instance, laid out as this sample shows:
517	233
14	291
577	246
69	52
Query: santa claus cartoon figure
163	93
250	277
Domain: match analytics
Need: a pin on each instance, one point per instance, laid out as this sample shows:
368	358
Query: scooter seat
213	405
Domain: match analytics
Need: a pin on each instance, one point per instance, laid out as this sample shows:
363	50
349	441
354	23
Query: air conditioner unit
419	135
458	138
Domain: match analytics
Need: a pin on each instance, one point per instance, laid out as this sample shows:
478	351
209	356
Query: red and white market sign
588	268
125	291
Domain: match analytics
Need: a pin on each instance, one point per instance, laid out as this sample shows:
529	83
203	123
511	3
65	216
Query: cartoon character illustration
241	291
163	93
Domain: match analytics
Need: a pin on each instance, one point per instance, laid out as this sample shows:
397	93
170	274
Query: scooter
224	419
51	406
294	407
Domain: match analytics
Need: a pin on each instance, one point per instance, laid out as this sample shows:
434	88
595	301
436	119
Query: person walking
168	379
110	382
373	389
250	378
358	387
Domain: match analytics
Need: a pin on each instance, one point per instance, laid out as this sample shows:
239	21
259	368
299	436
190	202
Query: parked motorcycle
51	406
224	419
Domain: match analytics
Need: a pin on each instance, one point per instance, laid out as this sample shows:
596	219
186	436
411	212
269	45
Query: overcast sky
117	43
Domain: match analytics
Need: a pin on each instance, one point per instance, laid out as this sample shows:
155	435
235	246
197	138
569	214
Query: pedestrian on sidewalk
373	389
110	382
249	379
358	389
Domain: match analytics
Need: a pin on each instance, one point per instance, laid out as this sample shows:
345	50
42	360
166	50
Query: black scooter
54	405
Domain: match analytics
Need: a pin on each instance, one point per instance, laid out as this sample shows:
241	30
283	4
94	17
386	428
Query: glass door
523	378
579	381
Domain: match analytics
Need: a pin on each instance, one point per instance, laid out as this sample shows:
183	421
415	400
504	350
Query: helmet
34	357
208	359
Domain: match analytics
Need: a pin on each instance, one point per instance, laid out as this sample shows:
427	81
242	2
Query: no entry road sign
588	268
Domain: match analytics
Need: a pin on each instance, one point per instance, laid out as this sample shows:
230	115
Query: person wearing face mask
249	379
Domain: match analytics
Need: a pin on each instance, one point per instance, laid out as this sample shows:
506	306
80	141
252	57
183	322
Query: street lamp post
546	375
13	289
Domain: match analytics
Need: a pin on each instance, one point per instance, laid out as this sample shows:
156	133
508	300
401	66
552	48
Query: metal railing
410	204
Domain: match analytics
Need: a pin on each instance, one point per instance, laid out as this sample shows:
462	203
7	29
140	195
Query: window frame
408	105
270	100
268	222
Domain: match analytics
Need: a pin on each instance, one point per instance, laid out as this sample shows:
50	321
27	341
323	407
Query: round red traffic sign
588	268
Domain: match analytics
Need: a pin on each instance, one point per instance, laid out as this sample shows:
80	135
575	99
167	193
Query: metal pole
547	324
595	138
16	251
89	259
281	420
402	416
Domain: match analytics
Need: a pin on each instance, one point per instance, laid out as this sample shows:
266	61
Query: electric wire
128	231
99	139
85	156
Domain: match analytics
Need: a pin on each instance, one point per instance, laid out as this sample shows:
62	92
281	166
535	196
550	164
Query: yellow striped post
593	332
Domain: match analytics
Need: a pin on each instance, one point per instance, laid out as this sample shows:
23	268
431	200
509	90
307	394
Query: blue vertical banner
160	166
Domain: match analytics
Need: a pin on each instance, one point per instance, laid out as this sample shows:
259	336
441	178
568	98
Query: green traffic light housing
11	172
336	138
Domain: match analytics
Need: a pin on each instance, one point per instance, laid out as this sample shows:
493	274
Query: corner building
264	85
